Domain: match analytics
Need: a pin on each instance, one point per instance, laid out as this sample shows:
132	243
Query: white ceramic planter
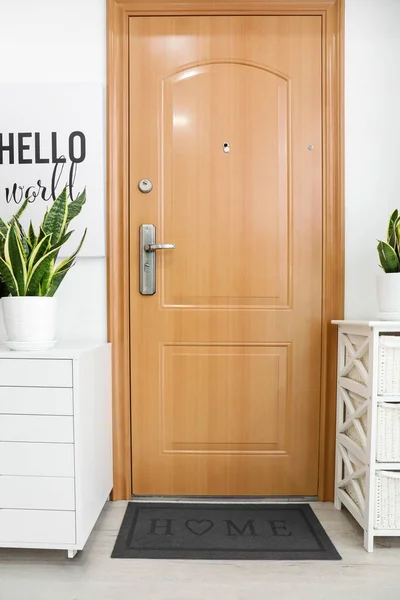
30	322
388	289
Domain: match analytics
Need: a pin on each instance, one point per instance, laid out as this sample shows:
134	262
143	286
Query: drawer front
43	493
46	460
32	428
36	401
37	526
35	372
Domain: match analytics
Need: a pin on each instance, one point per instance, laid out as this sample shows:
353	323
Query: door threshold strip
227	499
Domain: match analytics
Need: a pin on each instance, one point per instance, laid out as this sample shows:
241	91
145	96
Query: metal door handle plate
147	254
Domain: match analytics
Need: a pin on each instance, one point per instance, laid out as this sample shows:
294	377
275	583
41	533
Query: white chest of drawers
55	445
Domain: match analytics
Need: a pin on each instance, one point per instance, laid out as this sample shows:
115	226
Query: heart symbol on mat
199	526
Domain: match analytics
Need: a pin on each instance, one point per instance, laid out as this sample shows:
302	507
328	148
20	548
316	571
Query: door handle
147	254
154	247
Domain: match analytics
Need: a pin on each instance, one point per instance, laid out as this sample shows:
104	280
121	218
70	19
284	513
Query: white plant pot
30	322
388	289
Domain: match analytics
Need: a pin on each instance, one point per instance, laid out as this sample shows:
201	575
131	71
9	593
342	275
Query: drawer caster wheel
72	553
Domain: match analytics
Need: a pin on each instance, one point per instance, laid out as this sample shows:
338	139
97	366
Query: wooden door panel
237	212
226	354
202	403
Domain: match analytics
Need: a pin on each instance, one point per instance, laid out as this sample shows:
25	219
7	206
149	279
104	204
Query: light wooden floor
92	575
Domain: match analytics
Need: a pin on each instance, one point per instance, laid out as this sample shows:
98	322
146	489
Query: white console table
55	445
366	483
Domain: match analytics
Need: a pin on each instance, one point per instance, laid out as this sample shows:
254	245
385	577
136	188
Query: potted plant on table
30	272
388	283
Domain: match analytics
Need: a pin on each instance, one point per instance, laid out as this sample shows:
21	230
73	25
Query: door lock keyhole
226	147
145	186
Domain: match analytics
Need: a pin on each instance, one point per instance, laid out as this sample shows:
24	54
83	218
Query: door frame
118	14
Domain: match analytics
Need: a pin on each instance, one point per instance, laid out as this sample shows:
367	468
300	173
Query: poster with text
51	136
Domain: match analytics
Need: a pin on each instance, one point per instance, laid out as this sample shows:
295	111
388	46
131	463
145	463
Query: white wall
64	40
372	105
53	41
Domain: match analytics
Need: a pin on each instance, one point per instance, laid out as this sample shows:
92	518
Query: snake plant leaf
14	256
391	232
45	282
23	239
42	271
4	227
62	241
41	235
388	258
39	271
3	237
56	280
32	235
67	262
20	211
39	251
75	207
65	238
56	219
397	236
63	268
25	246
7	277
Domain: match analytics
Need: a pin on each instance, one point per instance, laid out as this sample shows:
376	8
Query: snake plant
389	251
28	261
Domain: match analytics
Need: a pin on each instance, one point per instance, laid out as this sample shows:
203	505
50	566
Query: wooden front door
225	121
